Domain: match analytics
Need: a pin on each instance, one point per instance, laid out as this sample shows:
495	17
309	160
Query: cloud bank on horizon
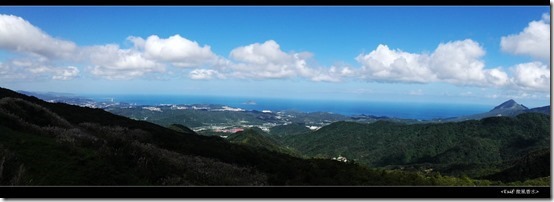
459	62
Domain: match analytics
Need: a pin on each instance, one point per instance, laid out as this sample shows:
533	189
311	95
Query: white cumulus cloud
179	51
150	55
10	72
265	53
386	65
203	74
534	40
35	69
546	18
532	76
111	62
332	74
66	73
456	62
268	61
18	35
459	62
496	77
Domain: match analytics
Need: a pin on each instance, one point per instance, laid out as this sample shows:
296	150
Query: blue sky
481	55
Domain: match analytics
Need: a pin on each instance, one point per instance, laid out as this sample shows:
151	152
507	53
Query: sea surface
408	110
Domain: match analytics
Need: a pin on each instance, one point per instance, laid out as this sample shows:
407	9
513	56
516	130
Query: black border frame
278	192
283	192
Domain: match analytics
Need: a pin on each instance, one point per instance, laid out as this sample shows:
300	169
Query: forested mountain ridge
508	108
45	143
473	148
255	137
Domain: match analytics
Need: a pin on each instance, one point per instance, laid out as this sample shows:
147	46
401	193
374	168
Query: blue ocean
422	111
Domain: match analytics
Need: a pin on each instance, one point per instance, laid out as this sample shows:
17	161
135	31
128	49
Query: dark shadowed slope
45	143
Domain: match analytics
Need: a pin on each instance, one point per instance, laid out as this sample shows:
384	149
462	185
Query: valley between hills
47	141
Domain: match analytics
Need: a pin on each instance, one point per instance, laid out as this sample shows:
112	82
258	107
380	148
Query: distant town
223	120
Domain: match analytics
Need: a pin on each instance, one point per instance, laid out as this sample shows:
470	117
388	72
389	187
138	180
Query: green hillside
189	118
290	129
45	143
58	144
255	137
534	165
470	148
